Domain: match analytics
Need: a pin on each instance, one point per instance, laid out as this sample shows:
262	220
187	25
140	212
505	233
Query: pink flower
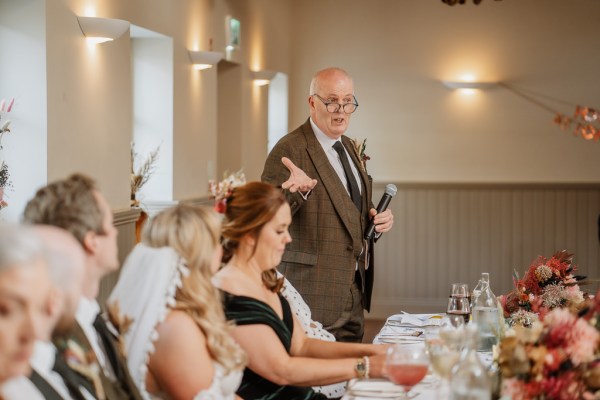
583	342
12	101
512	388
2	104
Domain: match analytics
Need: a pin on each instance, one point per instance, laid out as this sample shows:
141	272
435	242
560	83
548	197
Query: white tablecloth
406	329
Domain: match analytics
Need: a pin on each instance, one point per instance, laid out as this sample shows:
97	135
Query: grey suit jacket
327	229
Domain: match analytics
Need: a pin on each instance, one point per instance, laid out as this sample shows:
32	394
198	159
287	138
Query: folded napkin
418	320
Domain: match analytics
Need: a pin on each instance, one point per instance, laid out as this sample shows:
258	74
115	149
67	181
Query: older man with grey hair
51	378
24	289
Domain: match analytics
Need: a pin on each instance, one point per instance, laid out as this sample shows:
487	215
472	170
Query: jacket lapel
331	182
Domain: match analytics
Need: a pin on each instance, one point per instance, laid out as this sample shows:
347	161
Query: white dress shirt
85	316
42	361
334	158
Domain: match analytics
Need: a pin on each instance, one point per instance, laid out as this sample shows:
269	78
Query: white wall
23	76
278	109
153	112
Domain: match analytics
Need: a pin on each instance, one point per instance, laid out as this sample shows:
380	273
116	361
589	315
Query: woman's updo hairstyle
249	208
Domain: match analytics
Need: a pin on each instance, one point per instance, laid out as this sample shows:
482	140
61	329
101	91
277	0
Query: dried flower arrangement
220	191
547	284
141	175
556	358
5	181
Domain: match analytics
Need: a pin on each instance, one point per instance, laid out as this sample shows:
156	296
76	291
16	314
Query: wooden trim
126	216
204	201
492	185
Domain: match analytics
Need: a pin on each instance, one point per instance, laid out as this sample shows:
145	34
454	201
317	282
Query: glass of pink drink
406	365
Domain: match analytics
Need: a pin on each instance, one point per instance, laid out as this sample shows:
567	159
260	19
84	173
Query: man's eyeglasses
334	107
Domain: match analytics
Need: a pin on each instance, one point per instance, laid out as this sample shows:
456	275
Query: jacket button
349	248
294	204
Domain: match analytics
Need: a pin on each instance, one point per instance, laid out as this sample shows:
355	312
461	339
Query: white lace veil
146	289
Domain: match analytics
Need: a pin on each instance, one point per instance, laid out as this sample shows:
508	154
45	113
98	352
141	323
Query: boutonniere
121	323
83	362
359	147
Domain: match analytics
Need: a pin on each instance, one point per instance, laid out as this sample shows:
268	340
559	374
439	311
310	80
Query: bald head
66	265
327	74
64	255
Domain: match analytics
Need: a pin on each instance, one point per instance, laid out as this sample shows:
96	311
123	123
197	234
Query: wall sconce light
205	59
100	30
263	77
469	85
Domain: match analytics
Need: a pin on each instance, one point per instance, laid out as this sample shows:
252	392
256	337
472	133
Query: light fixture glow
263	77
100	30
469	85
204	59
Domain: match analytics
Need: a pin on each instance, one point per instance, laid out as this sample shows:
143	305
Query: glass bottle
477	290
470	379
485	315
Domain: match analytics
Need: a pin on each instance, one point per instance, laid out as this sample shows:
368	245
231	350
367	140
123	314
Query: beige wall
420	131
90	100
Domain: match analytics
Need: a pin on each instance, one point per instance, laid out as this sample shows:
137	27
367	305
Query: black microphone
390	191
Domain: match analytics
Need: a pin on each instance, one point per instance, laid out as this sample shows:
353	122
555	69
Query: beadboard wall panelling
446	233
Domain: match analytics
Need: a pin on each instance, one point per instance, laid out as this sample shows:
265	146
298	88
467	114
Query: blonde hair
193	231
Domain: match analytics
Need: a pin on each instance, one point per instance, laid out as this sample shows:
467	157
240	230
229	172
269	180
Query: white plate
374	388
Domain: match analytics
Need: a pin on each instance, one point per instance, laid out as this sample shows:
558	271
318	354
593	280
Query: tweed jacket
327	229
123	388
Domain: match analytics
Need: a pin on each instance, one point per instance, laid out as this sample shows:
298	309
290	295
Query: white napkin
418	320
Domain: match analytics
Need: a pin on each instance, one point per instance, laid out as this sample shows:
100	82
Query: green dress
245	310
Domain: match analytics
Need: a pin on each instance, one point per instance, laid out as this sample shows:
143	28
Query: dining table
407	330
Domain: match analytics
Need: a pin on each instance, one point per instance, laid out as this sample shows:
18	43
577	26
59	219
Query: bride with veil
176	339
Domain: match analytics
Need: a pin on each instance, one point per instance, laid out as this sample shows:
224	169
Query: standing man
76	205
328	261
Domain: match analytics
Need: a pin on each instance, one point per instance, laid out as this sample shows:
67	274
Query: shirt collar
325	141
87	311
44	354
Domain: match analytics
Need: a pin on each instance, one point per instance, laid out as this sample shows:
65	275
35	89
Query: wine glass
444	351
406	366
459	301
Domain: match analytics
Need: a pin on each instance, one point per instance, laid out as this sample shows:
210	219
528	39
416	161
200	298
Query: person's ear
311	102
55	302
90	242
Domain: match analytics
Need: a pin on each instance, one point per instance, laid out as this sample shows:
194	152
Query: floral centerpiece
220	191
556	358
547	284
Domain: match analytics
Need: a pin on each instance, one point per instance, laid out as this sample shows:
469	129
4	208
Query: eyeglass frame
339	105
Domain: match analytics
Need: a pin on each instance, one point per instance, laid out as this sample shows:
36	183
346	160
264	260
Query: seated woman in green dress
282	361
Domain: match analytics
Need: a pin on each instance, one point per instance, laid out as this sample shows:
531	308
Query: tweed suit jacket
121	389
327	229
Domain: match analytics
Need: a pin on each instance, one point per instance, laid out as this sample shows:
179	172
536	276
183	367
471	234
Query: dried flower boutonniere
359	147
121	323
83	362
